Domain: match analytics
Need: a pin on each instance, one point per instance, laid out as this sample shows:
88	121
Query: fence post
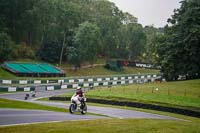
168	91
185	92
137	91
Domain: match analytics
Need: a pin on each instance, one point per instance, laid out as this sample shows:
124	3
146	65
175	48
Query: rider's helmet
78	88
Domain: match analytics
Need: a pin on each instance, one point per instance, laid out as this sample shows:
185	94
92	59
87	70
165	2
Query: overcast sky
149	12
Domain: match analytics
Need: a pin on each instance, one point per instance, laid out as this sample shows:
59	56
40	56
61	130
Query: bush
114	66
50	51
23	51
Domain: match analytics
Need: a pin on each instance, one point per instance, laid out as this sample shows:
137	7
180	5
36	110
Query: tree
6	46
108	18
136	40
87	41
73	57
50	51
152	35
179	53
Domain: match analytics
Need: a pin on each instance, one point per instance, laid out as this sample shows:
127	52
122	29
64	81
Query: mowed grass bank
184	94
4	103
110	126
100	70
90	71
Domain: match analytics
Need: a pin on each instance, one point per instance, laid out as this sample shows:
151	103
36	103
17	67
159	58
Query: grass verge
109	126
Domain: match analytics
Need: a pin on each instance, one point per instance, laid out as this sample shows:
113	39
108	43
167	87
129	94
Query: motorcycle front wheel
84	109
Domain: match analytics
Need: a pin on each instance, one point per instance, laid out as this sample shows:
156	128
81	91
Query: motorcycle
26	97
33	94
73	107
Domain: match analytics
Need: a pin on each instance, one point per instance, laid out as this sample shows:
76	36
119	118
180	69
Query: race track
17	116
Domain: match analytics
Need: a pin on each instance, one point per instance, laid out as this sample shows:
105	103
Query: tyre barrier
138	105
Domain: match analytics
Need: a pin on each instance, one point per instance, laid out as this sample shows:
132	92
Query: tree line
69	30
78	31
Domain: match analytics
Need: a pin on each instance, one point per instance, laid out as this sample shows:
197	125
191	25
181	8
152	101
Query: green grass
4	103
109	126
100	70
184	94
4	74
113	126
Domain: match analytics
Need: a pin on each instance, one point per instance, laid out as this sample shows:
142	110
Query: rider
78	96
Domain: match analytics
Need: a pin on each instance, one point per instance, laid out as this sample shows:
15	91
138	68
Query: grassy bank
110	126
90	71
184	94
100	70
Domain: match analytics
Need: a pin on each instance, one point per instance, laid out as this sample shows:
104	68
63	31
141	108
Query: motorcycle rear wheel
72	108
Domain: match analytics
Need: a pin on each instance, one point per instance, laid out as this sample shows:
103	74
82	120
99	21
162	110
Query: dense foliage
94	28
179	47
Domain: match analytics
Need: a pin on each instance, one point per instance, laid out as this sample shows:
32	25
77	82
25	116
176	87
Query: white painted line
46	122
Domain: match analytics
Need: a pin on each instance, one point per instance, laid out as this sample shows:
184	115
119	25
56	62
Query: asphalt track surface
21	116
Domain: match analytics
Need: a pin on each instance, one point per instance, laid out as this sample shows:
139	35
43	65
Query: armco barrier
83	79
138	105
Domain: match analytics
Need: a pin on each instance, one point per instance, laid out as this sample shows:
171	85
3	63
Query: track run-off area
10	116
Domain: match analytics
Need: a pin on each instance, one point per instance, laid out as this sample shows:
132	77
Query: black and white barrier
82	79
83	82
15	89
